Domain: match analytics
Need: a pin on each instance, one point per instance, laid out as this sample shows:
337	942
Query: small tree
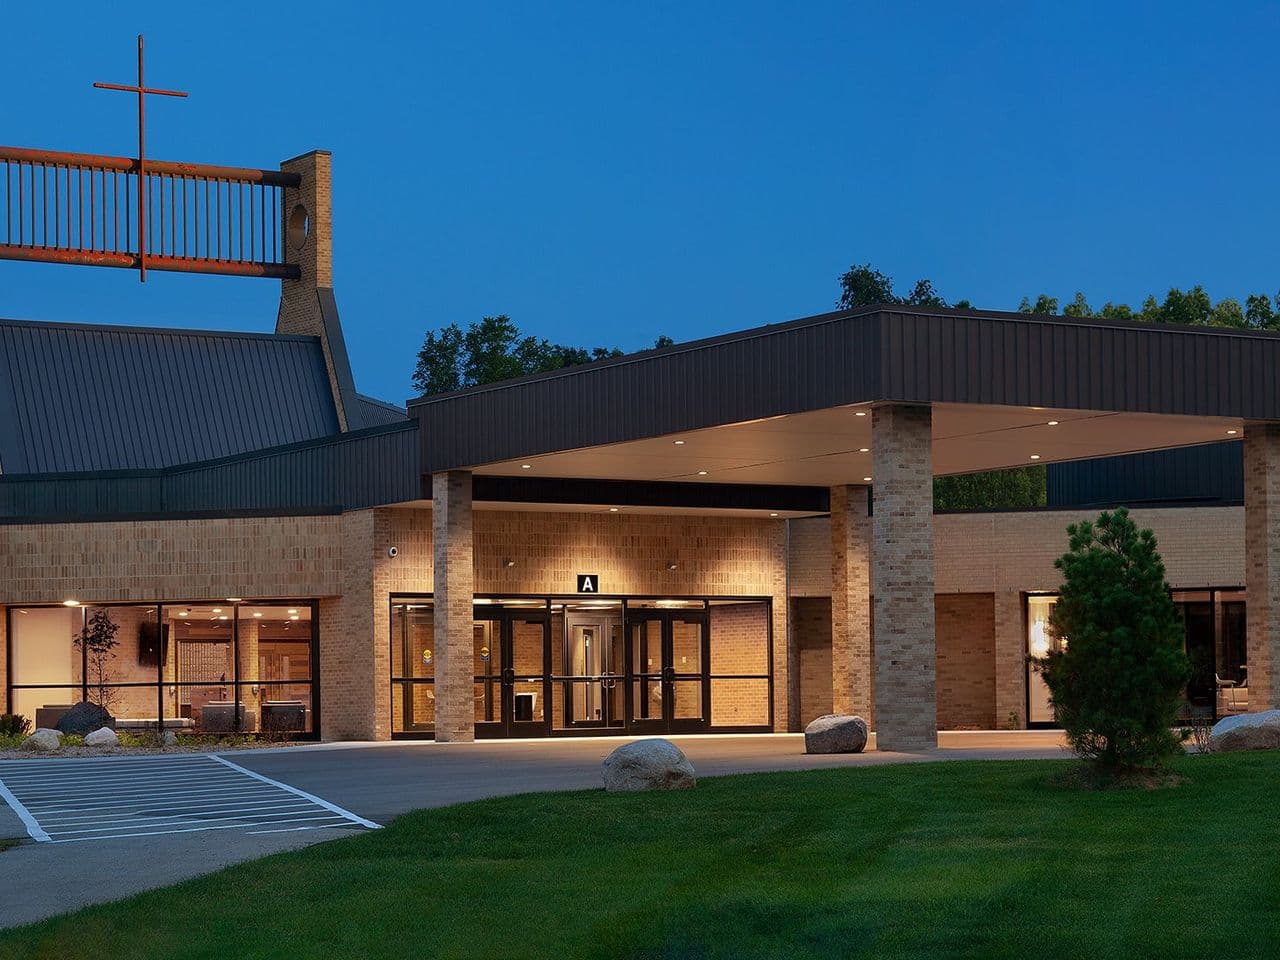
1118	682
98	639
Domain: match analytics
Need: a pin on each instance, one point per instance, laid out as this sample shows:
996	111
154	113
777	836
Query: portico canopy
786	404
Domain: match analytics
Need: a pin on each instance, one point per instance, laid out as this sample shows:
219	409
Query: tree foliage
865	286
490	350
97	638
1118	682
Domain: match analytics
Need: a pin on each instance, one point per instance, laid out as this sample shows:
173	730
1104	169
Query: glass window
275	670
413	666
1040	640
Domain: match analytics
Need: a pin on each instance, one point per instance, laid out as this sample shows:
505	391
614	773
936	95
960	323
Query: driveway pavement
377	782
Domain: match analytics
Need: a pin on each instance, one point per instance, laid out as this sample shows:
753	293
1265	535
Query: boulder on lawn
102	737
43	740
1246	731
836	733
84	718
654	764
170	739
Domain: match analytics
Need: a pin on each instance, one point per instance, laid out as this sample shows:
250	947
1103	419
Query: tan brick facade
902	577
343	561
1262	560
851	668
454	579
299	311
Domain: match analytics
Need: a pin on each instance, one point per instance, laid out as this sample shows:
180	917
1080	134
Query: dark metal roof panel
1211	473
367	468
775	370
78	398
890	353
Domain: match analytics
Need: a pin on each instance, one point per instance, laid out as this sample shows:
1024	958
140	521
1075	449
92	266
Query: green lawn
936	860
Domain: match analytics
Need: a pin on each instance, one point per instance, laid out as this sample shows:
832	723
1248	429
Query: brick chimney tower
307	305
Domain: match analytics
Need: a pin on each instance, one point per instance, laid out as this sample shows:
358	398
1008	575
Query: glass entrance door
589	667
669	685
510	649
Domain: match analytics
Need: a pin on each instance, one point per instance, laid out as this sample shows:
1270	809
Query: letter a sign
588	583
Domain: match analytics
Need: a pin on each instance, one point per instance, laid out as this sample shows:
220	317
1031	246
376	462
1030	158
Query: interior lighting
1232	433
71	603
1053	423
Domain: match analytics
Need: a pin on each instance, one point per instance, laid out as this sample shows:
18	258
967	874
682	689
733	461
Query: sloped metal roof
79	397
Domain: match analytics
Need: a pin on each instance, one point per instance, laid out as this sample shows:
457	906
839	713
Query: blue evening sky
605	173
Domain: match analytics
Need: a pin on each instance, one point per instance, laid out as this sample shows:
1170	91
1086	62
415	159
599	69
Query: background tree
493	349
98	639
1118	684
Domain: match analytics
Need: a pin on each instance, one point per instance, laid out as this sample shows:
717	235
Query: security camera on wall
393	552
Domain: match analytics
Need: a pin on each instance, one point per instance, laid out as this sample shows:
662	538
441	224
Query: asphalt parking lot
113	826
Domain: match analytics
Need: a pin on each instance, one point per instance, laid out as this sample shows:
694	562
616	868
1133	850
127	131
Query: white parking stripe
101	798
302	793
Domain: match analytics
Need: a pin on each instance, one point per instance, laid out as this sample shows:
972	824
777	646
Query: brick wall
811	633
261	557
902	576
964	625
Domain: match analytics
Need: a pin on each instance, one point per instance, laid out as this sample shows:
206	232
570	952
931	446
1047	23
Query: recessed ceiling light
182	613
234	599
223	617
860	413
1053	423
866	479
71	603
526	466
257	613
1035	456
217	609
864	449
294	617
702	473
292	610
1232	433
678	443
773	514
613	509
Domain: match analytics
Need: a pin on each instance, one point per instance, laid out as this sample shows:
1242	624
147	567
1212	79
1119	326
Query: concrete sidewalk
380	781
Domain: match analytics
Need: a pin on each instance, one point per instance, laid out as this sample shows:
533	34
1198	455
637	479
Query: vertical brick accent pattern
454	591
1262	560
811	634
1010	651
966	689
851	680
902	577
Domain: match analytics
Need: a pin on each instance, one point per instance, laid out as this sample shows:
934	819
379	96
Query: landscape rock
653	764
43	740
1246	731
102	737
84	718
836	733
170	738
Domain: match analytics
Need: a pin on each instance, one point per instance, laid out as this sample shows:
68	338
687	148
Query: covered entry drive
597	666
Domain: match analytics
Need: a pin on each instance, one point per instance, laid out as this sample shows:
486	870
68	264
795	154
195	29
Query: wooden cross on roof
142	90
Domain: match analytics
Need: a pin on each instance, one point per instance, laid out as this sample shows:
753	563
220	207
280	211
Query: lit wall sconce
508	562
672	565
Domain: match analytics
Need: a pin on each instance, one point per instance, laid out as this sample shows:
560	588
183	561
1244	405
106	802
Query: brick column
1011	658
454	593
1262	560
851	684
306	232
902	577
